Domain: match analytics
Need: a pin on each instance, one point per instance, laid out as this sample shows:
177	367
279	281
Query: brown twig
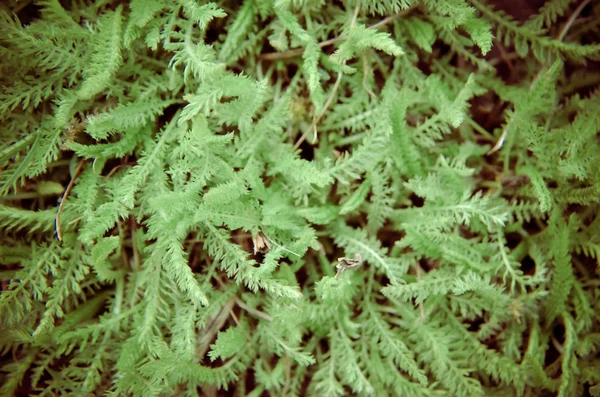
64	198
571	19
234	317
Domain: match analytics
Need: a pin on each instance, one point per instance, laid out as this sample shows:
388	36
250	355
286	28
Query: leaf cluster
180	180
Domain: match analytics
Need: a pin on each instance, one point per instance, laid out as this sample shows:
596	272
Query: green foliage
294	197
228	343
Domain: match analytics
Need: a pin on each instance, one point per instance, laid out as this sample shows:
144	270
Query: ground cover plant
299	198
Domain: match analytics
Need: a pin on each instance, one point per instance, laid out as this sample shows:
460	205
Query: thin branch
560	348
124	254
64	198
571	19
214	325
274	56
75	220
242	305
252	310
136	254
235	319
283	248
504	55
366	76
313	125
511	56
500	141
336	86
355	15
421	307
